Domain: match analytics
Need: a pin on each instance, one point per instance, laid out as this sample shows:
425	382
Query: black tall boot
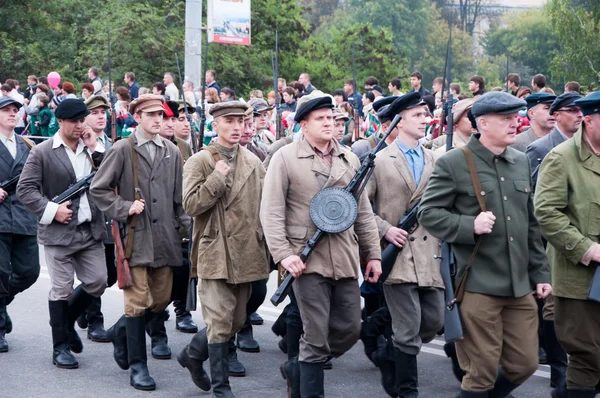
450	350
407	374
292	337
59	319
384	359
155	326
557	357
193	356
95	321
117	335
502	387
219	369
78	303
290	371
369	334
471	394
581	393
136	354
280	325
3	343
312	380
236	369
183	318
245	339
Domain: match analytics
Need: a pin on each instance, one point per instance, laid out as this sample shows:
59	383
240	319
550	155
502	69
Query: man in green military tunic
567	205
498	311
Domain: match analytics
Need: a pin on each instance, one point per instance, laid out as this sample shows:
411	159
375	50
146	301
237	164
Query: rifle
355	187
409	223
75	190
123	272
453	330
594	292
10	185
275	65
355	112
203	107
187	115
113	115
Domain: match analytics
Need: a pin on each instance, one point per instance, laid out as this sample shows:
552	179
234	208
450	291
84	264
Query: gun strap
131	232
460	289
87	154
214	152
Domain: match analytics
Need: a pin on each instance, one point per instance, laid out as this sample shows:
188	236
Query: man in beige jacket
325	287
222	188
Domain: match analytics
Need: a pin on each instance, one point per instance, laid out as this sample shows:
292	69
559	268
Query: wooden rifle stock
123	272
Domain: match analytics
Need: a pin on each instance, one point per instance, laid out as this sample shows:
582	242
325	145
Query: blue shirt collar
405	148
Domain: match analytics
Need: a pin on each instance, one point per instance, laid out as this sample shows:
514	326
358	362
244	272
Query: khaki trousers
223	307
577	324
497	331
151	289
549	304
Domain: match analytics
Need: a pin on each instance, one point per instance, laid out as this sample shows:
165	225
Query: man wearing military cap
147	169
540	120
566	205
339	125
361	148
414	290
568	118
495	235
261	121
325	287
72	232
19	255
222	192
183	126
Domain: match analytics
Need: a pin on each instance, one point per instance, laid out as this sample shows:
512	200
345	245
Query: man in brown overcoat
222	192
154	203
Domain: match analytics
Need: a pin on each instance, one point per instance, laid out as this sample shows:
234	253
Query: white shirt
82	167
172	92
15	95
10	143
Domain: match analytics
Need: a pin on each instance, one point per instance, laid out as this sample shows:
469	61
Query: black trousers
19	264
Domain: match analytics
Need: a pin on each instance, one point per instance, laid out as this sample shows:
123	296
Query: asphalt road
27	370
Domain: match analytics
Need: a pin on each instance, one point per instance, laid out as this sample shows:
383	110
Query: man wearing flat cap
19	254
222	192
498	247
463	127
540	121
325	287
259	149
261	121
147	170
568	209
414	290
72	232
568	118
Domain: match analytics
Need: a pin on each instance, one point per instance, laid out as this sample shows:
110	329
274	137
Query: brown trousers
497	331
330	312
549	304
223	307
151	289
577	324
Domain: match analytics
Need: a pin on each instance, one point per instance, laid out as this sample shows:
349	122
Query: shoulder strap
131	232
27	142
214	152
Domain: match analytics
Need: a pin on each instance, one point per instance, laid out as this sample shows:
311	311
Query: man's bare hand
396	236
222	167
3	195
542	290
374	268
137	207
293	265
64	214
89	139
484	223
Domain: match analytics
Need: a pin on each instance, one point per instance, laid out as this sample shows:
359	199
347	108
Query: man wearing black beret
479	200
362	147
72	232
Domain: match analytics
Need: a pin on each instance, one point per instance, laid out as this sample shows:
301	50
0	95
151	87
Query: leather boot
581	393
59	319
290	371
8	321
292	338
78	303
95	320
136	354
471	394
117	335
183	318
407	374
193	356
312	380
450	350
236	369
328	365
245	339
502	387
3	343
556	356
280	325
384	359
256	319
369	334
219	369
155	326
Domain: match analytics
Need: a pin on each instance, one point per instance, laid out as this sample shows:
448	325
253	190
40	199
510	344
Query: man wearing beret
325	287
147	170
222	192
568	209
540	120
568	121
19	255
261	121
414	290
362	148
498	311
72	232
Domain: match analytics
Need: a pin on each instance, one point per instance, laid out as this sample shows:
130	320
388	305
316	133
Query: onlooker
298	88
281	85
95	80
477	86
538	82
455	89
271	98
513	81
87	90
188	93
394	87
14	93
210	79
256	94
159	88
437	84
523	92
377	92
289	100
227	94
547	90
171	91
125	121
58	96
32	82
370	82
143	90
416	79
5	89
69	90
133	86
353	96
573	87
304	79
45	117
339	96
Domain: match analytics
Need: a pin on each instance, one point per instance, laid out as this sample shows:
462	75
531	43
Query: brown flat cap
249	113
230	108
461	108
147	103
97	101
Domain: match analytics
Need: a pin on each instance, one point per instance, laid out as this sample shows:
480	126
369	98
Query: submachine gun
10	185
75	190
334	210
